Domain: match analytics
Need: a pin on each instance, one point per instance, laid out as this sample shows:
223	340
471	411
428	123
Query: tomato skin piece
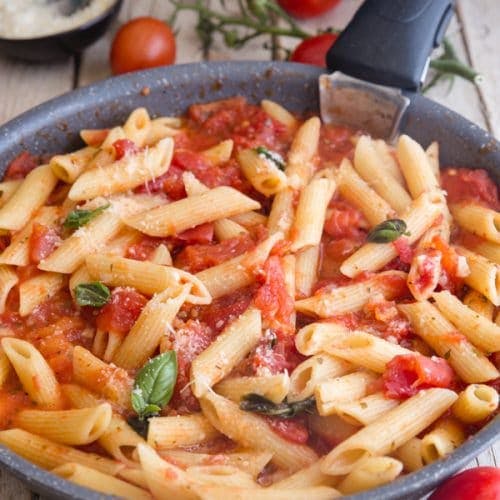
124	147
303	9
292	429
122	311
144	42
479	483
313	50
407	374
202	234
43	241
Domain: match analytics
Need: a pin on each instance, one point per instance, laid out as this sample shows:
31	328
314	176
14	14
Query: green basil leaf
272	156
259	404
94	294
154	384
387	231
78	218
140	426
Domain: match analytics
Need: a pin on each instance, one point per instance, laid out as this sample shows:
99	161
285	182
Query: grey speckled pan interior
53	127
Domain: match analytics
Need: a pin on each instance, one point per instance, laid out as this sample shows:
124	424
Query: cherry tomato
313	50
144	42
307	8
480	483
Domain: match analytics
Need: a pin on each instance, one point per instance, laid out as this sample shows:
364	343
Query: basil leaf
154	385
259	404
94	294
140	426
387	231
78	218
272	156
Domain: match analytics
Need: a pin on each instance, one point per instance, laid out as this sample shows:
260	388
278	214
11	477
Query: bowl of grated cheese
39	30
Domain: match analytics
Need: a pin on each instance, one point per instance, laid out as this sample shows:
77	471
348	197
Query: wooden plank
11	488
480	21
26	85
94	64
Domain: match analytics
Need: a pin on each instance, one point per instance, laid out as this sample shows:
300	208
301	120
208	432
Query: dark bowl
53	127
60	46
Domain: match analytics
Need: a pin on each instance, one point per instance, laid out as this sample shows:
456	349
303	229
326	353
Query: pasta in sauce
329	300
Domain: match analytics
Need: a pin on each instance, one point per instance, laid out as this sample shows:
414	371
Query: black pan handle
389	41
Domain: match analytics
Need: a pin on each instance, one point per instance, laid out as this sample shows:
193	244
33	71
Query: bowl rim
405	486
81	27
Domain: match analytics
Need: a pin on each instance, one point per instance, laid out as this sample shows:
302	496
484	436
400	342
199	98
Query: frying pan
53	127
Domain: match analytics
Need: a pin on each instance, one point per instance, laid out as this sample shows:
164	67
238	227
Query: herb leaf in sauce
95	294
154	385
78	218
387	231
272	156
259	404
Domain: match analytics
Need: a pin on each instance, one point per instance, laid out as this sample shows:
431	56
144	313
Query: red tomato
407	374
344	221
307	8
144	42
292	430
43	241
122	311
480	483
202	234
124	147
404	250
21	166
313	50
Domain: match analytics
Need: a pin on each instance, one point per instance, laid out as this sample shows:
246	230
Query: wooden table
473	31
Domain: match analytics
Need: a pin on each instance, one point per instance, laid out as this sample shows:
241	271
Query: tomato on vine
313	50
303	9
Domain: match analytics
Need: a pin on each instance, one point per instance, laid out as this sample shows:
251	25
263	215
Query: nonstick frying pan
53	127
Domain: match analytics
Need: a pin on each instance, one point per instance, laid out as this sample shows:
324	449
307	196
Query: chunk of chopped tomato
404	249
344	221
124	147
292	429
202	234
21	166
122	311
143	249
43	241
407	374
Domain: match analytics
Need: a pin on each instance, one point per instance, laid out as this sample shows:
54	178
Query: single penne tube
7	189
179	431
273	387
36	375
302	151
159	128
416	167
488	249
161	255
364	349
388	163
475	403
250	219
79	397
104	379
80	276
313	338
153	323
316	492
369	164
17	253
69	166
370	473
5	367
390	431
305	478
253	432
252	462
73	427
306	270
282	212
237	272
8	280
171	219
280	114
88	239
95	480
225	476
261	172
352	386
365	410
311	211
137	126
358	192
479	304
220	153
127	173
351	298
429	324
48	455
37	290
145	277
134	476
106	343
410	454
480	331
447	435
312	372
418	217
29	197
227	350
94	136
477	219
484	275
